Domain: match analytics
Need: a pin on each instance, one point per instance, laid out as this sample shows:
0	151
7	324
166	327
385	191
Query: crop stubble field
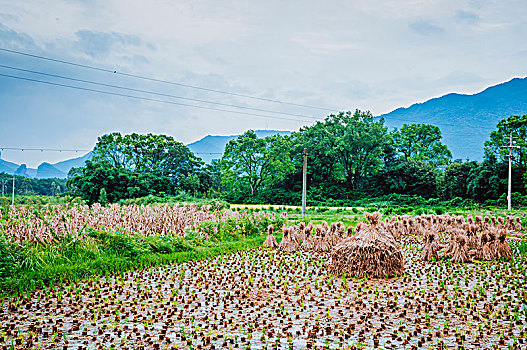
273	299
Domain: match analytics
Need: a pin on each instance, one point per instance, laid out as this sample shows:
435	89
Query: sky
333	55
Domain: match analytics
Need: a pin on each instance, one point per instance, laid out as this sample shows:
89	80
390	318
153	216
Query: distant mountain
66	165
466	120
8	167
22	171
46	171
216	144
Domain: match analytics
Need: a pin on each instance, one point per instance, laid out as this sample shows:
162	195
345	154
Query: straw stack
270	241
459	251
373	252
430	247
503	248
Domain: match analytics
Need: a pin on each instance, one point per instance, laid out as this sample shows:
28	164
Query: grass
27	267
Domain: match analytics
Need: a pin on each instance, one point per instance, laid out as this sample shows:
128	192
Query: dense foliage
350	156
134	165
27	186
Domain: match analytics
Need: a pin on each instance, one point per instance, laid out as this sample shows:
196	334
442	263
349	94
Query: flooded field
268	299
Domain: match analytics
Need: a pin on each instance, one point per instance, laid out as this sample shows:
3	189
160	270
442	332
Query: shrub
439	210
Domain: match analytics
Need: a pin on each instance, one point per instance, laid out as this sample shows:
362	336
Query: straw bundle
487	249
288	243
518	226
430	247
459	252
372	252
301	231
270	241
503	250
307	243
323	243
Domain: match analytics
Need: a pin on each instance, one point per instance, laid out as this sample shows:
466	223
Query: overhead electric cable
43	149
147	98
151	92
165	81
69	150
435	124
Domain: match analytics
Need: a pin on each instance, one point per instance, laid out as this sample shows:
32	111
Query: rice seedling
293	297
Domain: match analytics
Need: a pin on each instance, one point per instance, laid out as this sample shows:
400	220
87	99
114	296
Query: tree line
350	155
27	186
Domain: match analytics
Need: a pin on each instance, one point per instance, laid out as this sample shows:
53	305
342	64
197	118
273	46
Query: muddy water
261	300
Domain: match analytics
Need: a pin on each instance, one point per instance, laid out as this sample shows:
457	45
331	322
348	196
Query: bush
247	223
439	210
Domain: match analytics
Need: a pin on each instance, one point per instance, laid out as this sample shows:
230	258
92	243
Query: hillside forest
350	155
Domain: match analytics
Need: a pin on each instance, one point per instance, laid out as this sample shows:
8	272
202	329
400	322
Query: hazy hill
466	120
66	165
8	167
44	170
216	144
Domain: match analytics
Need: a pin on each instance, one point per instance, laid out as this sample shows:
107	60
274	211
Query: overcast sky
339	55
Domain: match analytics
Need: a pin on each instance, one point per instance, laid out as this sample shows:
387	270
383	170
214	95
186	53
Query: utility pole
509	187
3	187
304	183
13	198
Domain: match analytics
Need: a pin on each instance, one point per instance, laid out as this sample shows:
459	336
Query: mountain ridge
465	120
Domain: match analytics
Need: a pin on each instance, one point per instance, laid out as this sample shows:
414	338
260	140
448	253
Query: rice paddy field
259	298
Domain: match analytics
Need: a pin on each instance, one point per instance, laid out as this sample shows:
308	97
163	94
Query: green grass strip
105	264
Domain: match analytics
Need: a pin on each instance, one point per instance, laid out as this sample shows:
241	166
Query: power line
151	92
147	98
164	81
436	124
43	149
70	150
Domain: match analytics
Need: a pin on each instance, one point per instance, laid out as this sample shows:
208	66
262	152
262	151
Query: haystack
518	225
430	247
487	250
459	252
323	243
334	238
270	241
373	252
301	231
288	243
503	249
307	243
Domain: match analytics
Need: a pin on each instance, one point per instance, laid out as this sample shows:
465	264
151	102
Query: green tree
190	183
495	150
421	142
135	165
455	180
487	181
324	166
359	144
103	198
407	177
250	162
158	154
494	147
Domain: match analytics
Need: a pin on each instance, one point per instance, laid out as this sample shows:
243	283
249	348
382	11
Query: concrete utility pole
304	183
509	188
13	198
